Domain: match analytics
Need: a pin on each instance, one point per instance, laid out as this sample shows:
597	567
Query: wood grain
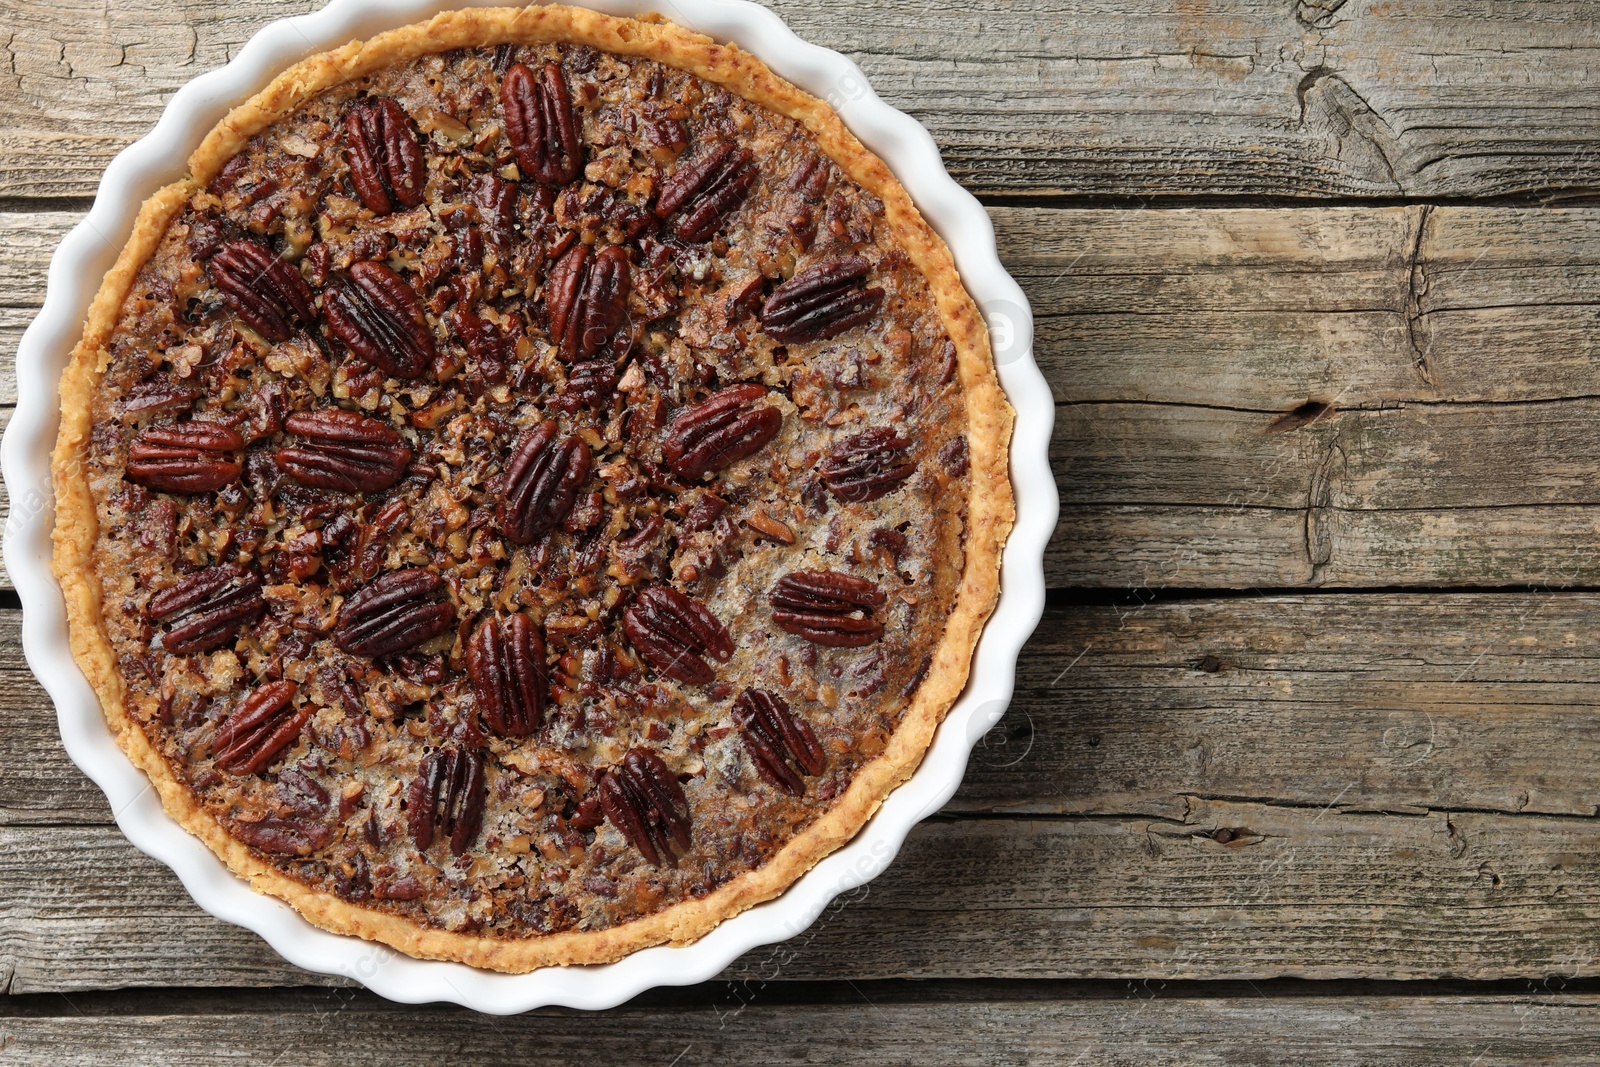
1415	408
1174	97
876	1022
1316	786
1231	890
1399	703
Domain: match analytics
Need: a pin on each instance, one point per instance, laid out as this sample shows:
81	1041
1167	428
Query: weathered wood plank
1454	346
1062	96
877	1023
1243	547
1280	306
1233	890
1376	703
1352	307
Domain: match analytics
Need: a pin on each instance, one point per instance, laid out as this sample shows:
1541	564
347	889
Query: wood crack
1416	287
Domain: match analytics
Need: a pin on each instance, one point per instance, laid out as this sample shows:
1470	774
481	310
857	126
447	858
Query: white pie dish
88	251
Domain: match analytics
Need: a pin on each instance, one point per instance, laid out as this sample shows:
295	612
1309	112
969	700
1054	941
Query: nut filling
531	484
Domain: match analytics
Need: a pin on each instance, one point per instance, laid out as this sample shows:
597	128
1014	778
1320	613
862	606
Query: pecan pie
532	490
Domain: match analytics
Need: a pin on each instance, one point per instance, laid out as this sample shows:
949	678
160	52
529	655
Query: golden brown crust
990	508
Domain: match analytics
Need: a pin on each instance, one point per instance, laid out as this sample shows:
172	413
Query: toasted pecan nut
379	318
284	835
344	451
385	158
205	610
447	797
705	190
496	202
644	801
828	608
821	302
540	482
778	740
185	457
159	397
868	465
720	430
590	385
586	299
673	632
506	662
264	290
260	728
541	124
397	611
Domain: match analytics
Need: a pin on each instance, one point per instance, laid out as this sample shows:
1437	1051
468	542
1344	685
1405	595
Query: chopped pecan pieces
506	661
822	301
185	457
720	430
386	164
828	608
400	610
344	451
868	465
206	609
540	483
264	290
448	797
778	740
379	318
642	798
705	190
673	631
541	124
260	728
586	299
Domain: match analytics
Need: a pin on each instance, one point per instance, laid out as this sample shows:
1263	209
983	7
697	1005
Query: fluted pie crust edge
990	508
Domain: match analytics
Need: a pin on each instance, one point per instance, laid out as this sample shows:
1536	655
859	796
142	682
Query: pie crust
989	504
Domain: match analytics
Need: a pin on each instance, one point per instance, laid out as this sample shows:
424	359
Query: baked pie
532	490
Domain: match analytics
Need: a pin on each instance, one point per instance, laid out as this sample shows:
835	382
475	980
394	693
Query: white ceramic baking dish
88	251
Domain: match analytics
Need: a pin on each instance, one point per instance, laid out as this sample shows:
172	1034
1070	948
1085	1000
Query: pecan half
778	740
344	450
540	483
262	726
396	611
673	631
822	301
496	201
505	659
586	299
642	798
379	318
720	430
448	797
263	289
284	836
156	398
380	146
185	457
868	465
590	384
206	609
828	608
705	190
541	124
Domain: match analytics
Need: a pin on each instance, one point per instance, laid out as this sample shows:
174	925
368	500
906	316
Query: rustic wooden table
1303	761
